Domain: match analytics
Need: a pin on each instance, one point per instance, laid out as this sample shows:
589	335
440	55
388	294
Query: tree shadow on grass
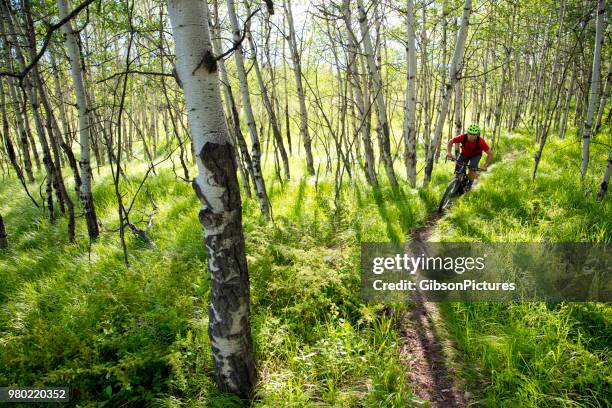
399	199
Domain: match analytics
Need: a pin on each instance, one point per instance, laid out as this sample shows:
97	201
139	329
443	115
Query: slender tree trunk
33	99
458	105
360	99
260	186
425	80
455	72
297	69
381	106
3	236
604	97
65	140
588	123
53	131
410	99
216	186
231	106
274	123
70	38
606	179
23	136
568	99
552	89
286	91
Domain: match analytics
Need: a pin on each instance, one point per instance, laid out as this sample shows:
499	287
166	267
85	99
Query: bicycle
456	187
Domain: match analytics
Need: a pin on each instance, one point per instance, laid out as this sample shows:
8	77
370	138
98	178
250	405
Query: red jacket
471	149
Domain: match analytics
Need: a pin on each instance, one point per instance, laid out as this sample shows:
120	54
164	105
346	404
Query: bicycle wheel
448	196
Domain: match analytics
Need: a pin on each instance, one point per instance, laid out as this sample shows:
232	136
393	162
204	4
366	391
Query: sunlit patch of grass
75	315
534	354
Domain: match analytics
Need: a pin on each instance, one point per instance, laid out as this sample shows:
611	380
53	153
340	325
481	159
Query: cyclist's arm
489	158
449	148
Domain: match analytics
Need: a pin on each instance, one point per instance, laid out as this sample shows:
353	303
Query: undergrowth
535	354
74	315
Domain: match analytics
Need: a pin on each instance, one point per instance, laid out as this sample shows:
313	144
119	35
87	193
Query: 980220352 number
34	394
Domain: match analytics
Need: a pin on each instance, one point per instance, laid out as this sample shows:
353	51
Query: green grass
76	316
535	354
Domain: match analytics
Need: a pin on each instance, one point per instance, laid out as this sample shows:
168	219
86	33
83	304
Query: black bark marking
3	236
230	287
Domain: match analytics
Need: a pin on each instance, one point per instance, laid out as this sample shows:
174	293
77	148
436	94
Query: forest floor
528	354
425	348
77	316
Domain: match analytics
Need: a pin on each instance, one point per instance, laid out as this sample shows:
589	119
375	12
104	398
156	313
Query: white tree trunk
260	186
23	137
216	186
604	97
588	123
297	70
568	99
410	99
552	89
455	72
381	106
76	70
274	123
606	179
231	107
359	97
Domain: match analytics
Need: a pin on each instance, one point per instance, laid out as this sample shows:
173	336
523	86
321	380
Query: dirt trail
423	349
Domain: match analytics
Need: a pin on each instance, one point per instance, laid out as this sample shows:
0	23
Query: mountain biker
472	146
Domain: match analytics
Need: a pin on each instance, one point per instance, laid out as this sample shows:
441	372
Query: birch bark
76	70
381	106
588	123
410	99
260	186
216	186
455	72
297	69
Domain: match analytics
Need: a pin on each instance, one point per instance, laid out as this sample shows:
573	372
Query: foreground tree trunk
76	71
588	123
455	72
216	185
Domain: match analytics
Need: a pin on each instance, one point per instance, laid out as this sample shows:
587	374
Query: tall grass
74	315
535	354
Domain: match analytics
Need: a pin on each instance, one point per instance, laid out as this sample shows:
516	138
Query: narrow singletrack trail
424	349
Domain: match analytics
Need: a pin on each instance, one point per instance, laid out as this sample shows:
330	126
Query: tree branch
51	28
153	73
210	60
